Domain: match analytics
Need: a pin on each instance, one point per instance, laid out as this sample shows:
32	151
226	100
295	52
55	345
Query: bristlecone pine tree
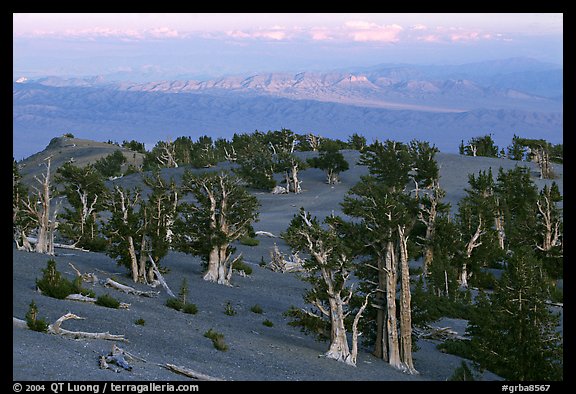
329	267
141	229
222	211
514	333
22	220
39	209
86	195
386	214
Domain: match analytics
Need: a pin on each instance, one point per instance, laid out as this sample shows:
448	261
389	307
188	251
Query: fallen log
129	290
118	357
190	373
83	298
266	233
56	329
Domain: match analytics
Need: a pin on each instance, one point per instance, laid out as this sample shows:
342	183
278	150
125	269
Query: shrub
174	303
53	284
217	340
140	322
190	309
240	265
268	323
257	309
229	309
108	301
32	320
181	306
458	347
249	241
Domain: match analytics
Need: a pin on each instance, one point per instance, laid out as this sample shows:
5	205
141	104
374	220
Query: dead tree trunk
294	174
391	322
129	239
339	349
427	216
39	208
472	243
405	305
499	225
381	346
167	157
551	233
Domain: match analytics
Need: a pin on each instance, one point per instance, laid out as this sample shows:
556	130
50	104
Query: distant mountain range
440	104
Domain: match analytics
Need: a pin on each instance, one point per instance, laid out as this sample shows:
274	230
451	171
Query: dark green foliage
255	160
249	241
525	148
140	322
517	150
174	303
423	157
240	265
180	306
229	309
198	230
183	293
32	320
257	309
462	373
86	195
217	339
181	303
68	135
514	333
22	220
111	165
476	214
124	224
327	271
457	347
483	279
108	301
53	284
144	224
517	194
479	146
389	162
428	306
309	323
331	161
190	309
357	142
134	145
268	323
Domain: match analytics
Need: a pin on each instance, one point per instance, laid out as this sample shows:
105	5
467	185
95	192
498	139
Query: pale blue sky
197	45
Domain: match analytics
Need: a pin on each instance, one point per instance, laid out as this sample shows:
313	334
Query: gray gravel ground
256	352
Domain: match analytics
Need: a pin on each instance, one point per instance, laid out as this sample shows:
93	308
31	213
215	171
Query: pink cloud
275	33
106	32
320	34
163	32
465	36
363	31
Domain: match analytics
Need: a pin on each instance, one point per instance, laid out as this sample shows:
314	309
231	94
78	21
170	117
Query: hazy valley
440	104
